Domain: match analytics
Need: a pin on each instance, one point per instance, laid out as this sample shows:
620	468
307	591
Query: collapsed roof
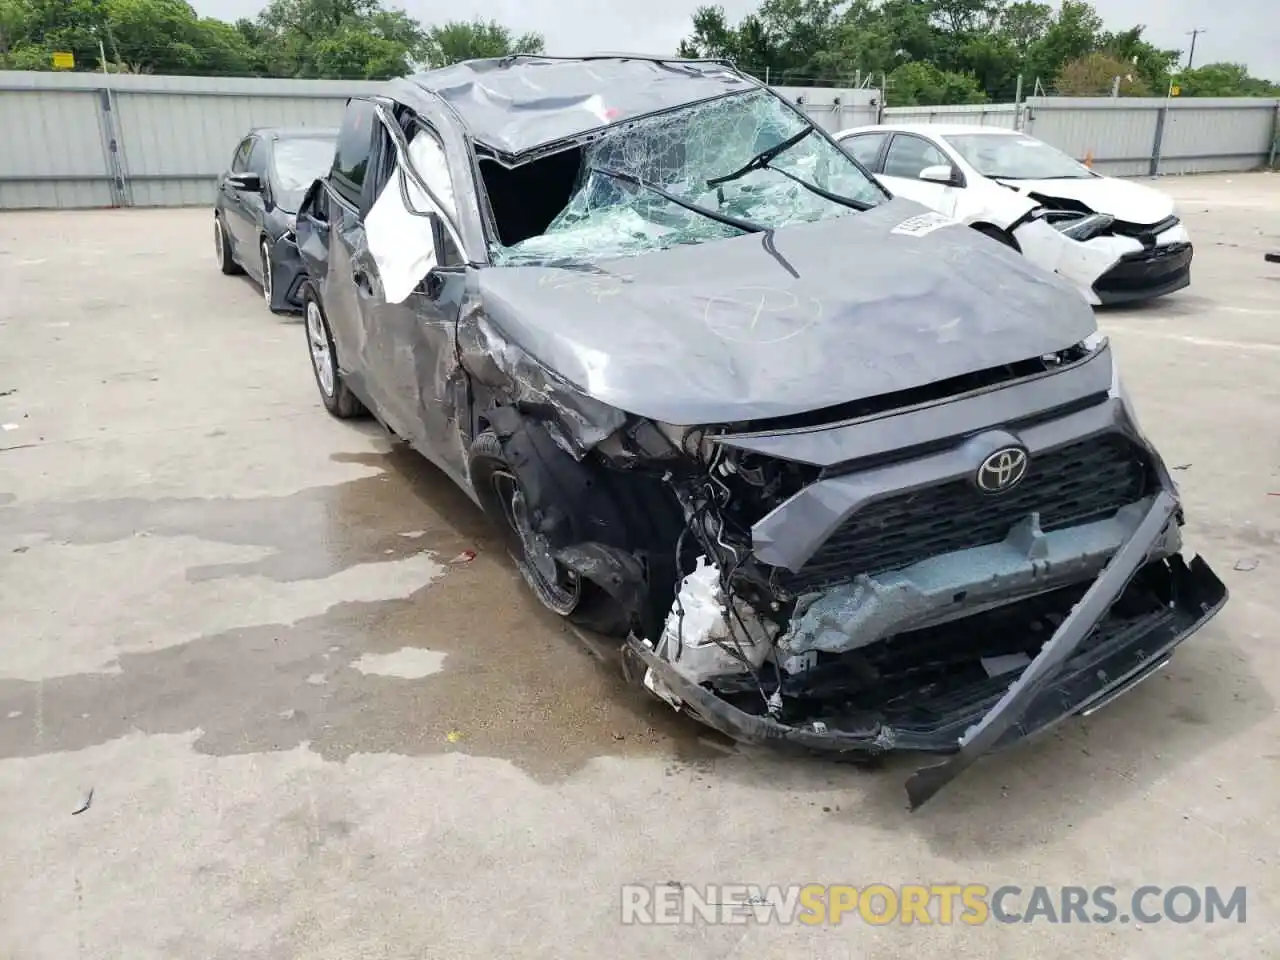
515	104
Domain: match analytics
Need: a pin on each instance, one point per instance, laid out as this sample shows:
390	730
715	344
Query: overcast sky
1238	30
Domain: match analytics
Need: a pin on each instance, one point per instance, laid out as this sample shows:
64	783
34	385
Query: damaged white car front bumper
1111	268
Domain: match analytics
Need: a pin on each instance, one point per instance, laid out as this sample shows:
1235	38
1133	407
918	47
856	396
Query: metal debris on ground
1182	466
466	556
1246	565
84	806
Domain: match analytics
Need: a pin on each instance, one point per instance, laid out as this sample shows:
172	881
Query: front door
413	338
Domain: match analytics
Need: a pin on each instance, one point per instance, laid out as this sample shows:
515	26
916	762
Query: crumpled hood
722	331
1122	199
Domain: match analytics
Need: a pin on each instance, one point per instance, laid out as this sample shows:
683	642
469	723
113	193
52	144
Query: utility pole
1191	56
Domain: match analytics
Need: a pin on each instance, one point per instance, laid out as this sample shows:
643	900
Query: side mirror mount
941	173
245	182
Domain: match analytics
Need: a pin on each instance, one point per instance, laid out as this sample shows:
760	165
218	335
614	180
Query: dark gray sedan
256	204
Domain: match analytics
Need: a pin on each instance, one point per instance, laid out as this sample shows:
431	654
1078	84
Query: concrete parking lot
311	728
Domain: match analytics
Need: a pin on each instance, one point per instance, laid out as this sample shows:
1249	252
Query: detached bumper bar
1053	687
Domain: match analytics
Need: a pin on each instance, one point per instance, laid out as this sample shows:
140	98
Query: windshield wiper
764	161
824	194
763	158
744	225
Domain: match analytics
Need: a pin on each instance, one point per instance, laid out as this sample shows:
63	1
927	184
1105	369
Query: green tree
460	40
1072	34
335	38
1094	75
918	83
1149	62
1224	80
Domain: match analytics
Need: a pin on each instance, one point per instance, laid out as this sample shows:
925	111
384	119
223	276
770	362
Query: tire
334	393
264	255
559	590
222	249
998	235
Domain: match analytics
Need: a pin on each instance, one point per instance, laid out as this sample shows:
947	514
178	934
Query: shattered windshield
298	162
1016	158
615	211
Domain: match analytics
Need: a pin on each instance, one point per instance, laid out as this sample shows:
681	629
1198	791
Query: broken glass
679	151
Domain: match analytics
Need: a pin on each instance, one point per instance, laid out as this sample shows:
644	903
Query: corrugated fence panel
982	114
833	108
51	150
1118	133
175	134
177	144
1201	135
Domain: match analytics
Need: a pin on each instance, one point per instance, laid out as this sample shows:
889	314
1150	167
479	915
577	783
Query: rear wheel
334	393
222	248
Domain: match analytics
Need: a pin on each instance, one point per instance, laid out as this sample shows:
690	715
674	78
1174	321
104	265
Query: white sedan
1115	240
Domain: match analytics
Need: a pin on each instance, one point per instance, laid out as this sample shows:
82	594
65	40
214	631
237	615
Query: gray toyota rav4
839	473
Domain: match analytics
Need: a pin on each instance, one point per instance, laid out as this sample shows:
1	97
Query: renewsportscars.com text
971	904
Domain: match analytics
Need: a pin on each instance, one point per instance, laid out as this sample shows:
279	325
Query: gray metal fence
89	140
1133	136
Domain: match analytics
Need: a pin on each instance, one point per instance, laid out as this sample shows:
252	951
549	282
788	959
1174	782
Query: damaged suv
839	472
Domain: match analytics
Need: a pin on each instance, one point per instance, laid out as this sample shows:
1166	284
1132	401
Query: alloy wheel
321	355
557	588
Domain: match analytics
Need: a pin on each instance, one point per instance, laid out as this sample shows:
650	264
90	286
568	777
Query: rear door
906	156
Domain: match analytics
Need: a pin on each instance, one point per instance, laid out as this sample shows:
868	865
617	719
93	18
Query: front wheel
334	393
264	254
222	248
559	589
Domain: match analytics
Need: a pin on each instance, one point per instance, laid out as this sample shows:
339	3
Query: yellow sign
1175	90
64	61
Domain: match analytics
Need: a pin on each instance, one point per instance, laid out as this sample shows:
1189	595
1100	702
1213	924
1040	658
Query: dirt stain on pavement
513	682
313	533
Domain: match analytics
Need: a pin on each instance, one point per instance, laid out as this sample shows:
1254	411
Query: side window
355	146
909	155
240	160
865	147
426	152
258	159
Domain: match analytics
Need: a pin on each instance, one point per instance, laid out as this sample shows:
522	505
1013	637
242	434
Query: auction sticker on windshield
918	226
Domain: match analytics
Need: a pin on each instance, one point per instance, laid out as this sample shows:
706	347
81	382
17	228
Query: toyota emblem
1002	470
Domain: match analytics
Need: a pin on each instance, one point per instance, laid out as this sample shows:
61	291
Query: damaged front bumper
1111	268
287	274
1122	628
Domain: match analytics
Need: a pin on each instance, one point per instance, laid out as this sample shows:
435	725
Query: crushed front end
1111	260
946	570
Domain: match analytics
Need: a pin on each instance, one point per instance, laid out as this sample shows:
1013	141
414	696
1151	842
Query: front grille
1078	483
